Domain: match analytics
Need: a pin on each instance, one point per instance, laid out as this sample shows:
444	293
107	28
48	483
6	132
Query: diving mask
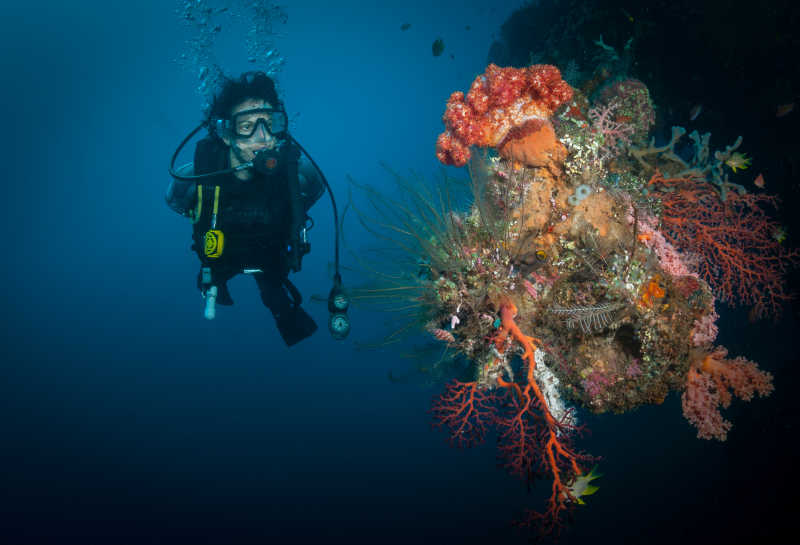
244	124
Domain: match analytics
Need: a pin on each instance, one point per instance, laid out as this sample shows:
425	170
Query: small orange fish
759	181
784	109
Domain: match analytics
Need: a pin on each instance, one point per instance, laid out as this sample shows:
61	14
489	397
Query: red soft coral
498	100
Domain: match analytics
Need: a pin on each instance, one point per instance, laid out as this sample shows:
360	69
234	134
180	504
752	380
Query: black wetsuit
254	216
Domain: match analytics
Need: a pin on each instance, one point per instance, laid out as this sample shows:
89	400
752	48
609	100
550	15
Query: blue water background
128	418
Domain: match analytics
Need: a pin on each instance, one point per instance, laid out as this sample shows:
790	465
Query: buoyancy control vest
256	223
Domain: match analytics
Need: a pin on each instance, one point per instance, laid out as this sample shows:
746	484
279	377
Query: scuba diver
247	194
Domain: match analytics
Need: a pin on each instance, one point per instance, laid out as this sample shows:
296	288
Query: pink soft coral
615	134
705	329
709	383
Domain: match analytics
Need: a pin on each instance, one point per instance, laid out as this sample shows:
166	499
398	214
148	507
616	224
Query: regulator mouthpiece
267	162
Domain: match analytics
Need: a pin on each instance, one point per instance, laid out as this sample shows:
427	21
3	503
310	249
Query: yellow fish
581	486
738	161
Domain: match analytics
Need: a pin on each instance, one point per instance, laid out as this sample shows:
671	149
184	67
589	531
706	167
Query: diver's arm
182	194
311	187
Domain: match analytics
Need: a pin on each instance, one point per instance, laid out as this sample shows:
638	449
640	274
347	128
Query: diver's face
243	150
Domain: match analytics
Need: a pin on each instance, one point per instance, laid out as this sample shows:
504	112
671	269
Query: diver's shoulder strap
210	155
207	206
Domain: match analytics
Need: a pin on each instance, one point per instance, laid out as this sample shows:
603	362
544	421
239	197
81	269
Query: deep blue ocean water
126	417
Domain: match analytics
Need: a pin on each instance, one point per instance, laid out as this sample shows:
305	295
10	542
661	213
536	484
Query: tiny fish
780	234
696	110
784	109
738	161
405	26
442	335
437	47
583	487
759	181
627	15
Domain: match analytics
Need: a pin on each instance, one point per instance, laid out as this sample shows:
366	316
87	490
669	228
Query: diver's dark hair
235	91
